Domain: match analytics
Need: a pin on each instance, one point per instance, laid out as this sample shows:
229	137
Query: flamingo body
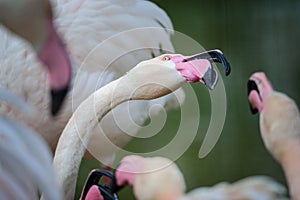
160	178
84	25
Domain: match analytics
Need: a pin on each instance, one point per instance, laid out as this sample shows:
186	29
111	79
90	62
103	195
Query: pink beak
259	88
55	57
198	68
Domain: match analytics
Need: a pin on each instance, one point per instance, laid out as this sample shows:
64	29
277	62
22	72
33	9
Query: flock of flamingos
51	102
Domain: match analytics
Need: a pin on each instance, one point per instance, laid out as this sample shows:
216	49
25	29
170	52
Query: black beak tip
108	191
226	65
253	110
218	56
57	99
251	85
228	70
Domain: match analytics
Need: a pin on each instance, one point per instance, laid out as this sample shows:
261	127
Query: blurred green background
255	36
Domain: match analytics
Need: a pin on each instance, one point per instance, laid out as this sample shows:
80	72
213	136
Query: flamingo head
169	71
259	88
151	177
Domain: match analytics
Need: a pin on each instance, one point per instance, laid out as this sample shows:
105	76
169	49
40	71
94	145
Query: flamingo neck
74	139
174	195
290	161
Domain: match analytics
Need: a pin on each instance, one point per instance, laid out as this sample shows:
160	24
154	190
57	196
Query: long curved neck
74	139
291	164
280	123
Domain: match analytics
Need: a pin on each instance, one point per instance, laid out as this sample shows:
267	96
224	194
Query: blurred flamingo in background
160	75
279	126
32	20
160	178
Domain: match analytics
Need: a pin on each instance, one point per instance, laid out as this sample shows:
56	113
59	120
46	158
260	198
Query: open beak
213	56
55	57
199	67
210	78
107	191
252	87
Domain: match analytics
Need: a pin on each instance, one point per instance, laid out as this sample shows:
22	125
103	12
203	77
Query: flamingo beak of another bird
93	190
54	55
254	97
259	88
198	68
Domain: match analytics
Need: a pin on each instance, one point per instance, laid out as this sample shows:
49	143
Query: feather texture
160	178
100	51
26	160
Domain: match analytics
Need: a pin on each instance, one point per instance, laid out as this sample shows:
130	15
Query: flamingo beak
198	68
259	88
94	190
55	57
213	56
252	90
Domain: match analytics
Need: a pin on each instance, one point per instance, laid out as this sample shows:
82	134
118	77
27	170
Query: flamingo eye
166	58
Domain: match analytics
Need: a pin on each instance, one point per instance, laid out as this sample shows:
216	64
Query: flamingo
115	28
25	159
160	178
32	20
279	127
147	80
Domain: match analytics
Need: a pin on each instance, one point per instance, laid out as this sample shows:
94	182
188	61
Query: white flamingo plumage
83	25
160	178
279	126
